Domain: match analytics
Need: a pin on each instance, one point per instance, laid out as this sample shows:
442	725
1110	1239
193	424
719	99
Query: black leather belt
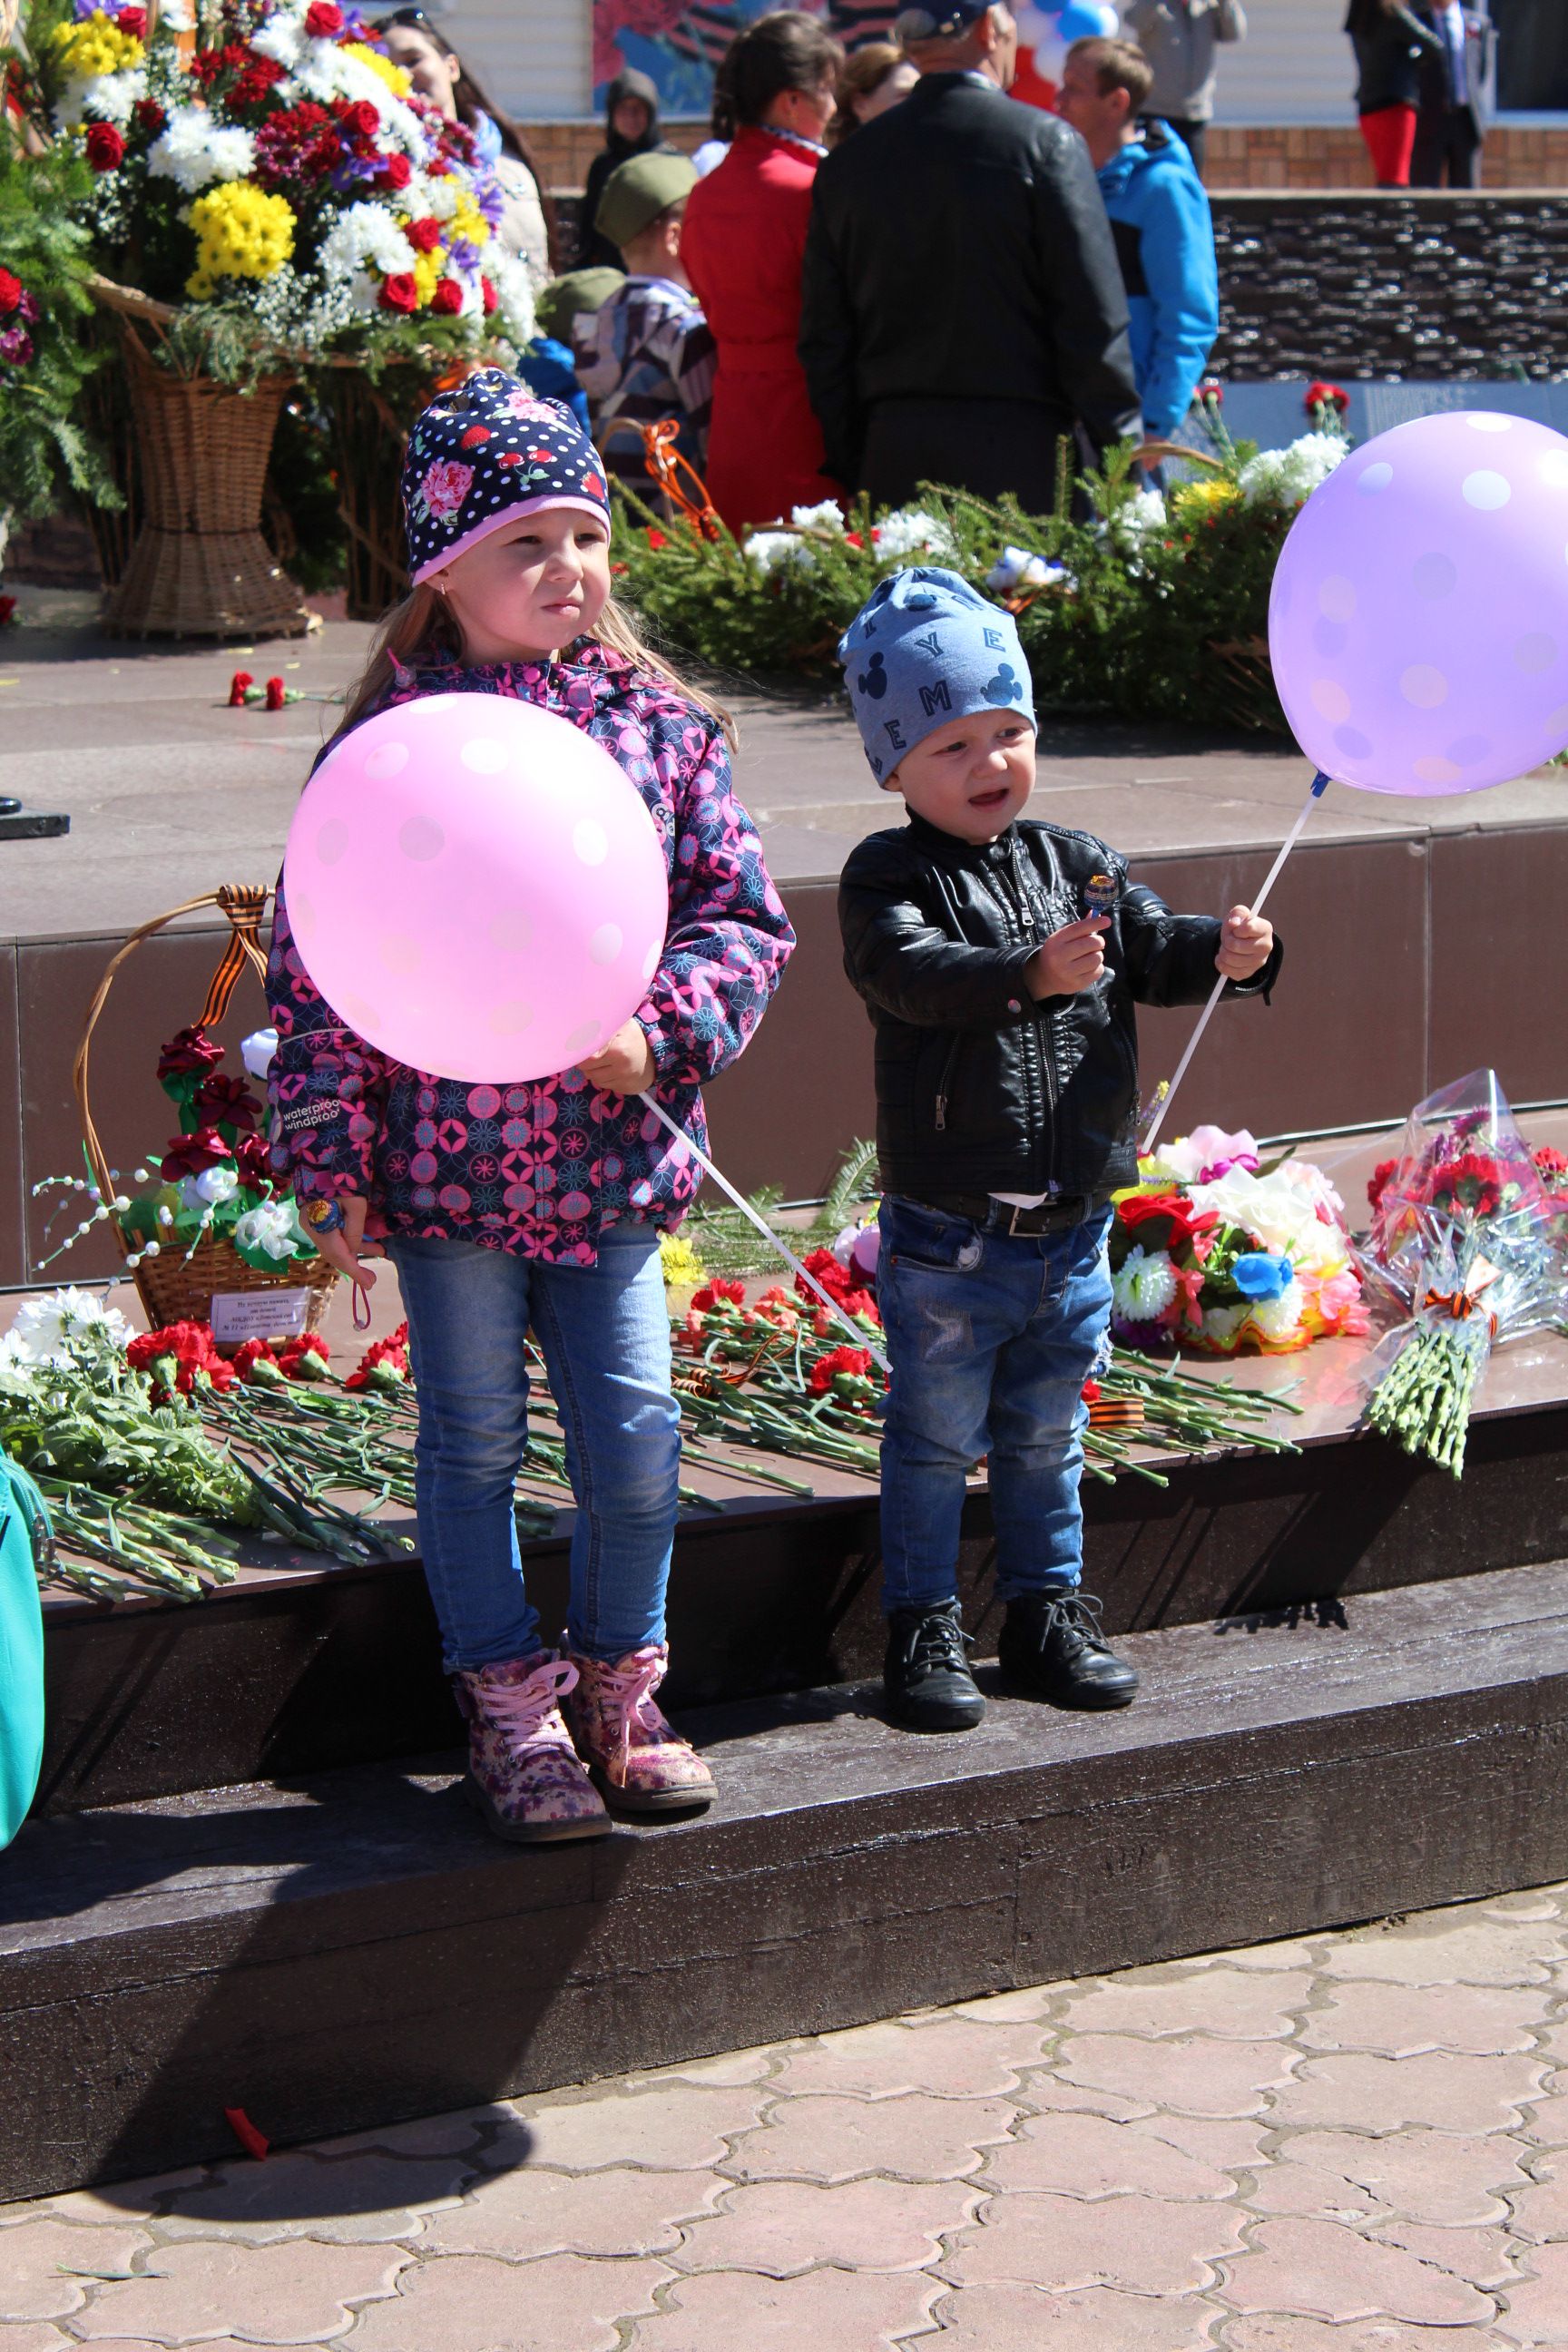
1000	1217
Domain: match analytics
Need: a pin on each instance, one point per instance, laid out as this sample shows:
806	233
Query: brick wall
1319	155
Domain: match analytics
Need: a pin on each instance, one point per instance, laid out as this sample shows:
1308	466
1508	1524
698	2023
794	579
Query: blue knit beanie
927	649
484	453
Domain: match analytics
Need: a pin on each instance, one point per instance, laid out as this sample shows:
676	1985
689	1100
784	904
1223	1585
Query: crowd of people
881	271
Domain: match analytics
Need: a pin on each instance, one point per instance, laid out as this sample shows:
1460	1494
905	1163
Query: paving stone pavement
1353	2142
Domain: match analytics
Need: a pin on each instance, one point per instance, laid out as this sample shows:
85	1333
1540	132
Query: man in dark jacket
1000	962
963	312
1453	99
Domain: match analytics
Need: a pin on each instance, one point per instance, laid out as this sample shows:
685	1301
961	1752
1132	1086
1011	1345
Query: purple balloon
1418	621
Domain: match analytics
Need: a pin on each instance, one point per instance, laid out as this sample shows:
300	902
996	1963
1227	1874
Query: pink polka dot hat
484	453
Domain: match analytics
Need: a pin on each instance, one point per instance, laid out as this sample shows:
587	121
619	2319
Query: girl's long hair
865	70
471	97
423	626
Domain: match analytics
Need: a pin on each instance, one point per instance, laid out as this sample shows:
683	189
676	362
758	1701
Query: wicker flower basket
200	567
184	1287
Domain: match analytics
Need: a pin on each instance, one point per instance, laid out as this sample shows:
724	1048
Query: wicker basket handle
244	903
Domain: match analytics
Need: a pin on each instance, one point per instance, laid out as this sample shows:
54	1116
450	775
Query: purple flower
465	253
490	197
27	306
17	345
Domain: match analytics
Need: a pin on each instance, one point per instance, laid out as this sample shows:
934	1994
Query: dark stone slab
31	825
354	1948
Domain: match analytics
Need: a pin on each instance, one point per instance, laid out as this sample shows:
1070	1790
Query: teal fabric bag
24	1527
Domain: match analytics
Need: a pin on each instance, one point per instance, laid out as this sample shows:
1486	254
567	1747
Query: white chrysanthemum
281	39
909	530
105	98
514	294
1221	1323
1281	1318
443	196
16	1366
1286	477
193	152
325	72
67	1327
770	549
271	1227
1143	513
1143	1285
365	233
824	517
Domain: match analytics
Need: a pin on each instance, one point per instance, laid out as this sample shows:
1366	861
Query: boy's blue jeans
991	1337
605	1335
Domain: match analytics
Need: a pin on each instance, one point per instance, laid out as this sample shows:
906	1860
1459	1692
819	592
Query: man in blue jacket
1160	219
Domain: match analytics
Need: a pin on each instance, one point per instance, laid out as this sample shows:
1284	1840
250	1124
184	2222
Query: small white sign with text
241	1314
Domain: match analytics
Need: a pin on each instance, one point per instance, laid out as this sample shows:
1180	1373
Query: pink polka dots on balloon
422	838
590	842
1410	623
331	840
387	759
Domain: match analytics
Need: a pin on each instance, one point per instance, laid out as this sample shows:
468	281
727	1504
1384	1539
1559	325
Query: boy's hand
625	1066
1245	944
1072	960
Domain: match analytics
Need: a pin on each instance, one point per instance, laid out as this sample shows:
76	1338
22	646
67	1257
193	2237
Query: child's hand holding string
1245	944
340	1242
625	1066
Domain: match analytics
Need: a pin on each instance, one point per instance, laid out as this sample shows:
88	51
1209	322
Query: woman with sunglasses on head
526	225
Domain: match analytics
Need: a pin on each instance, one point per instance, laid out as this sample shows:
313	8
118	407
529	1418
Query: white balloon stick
1319	786
768	1234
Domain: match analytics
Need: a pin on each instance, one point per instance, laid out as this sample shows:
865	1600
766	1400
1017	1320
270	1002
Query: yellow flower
396	80
1188	496
428	271
241	232
683	1269
95	47
469	221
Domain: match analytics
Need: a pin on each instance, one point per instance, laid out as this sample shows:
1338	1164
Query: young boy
1000	962
647	354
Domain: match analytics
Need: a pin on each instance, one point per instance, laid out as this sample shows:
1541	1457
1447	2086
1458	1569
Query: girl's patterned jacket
539	1169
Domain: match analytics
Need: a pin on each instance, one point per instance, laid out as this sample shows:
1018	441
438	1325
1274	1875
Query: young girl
540	1204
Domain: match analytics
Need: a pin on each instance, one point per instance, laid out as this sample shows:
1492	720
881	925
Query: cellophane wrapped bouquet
1214	1252
1468	1245
266	158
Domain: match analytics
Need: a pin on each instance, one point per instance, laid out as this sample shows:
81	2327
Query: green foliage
1151	614
44	449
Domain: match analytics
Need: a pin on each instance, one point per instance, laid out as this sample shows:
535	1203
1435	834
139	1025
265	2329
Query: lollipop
1101	893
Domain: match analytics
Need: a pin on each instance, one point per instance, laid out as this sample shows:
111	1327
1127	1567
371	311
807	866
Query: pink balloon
475	887
1418	621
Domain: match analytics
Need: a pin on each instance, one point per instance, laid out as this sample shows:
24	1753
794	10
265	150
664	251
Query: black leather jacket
980	1089
959	250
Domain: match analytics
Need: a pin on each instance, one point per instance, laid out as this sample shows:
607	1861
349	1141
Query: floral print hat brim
484	453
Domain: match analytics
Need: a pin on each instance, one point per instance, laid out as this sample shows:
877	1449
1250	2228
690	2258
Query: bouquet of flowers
1212	1251
276	175
1468	1245
213	1178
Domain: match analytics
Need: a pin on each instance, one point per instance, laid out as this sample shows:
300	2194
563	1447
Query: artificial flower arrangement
1468	1245
213	1179
273	171
1212	1251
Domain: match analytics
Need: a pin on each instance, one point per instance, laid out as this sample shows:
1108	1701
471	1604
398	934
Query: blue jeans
605	1336
991	1337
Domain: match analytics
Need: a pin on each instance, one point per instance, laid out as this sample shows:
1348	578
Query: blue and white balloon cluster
1049	31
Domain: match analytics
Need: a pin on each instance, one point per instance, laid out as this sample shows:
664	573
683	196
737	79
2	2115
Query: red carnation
238	687
105	147
304	1358
396	171
323	21
854	1361
1550	1164
221	1101
10	291
274	694
187	1050
399	291
1377	1182
149	116
425	233
1326	396
717	1293
447	301
488	296
177	1358
193	1155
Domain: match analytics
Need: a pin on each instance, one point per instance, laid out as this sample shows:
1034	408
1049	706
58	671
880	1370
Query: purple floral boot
636	1758
524	1775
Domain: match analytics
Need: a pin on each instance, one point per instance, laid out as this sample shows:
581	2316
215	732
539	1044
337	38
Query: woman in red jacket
743	243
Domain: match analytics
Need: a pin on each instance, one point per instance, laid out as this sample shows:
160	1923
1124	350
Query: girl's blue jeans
991	1337
605	1335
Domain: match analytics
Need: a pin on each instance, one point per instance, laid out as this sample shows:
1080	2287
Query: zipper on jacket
1040	1027
944	1083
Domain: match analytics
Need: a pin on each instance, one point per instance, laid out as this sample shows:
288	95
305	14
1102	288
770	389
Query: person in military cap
646	353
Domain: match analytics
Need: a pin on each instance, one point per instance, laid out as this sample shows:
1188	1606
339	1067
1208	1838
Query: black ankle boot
1052	1647
926	1677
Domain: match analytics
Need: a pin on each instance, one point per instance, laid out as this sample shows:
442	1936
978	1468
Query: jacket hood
1139	156
632	84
